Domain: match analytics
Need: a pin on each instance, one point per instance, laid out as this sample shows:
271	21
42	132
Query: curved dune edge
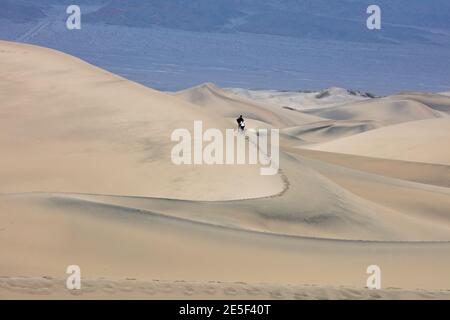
387	111
89	199
113	242
183	211
228	104
130	288
316	222
417	141
313	206
426	173
73	127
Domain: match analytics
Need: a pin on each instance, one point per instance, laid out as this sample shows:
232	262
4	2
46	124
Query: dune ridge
70	116
87	179
387	111
229	104
416	141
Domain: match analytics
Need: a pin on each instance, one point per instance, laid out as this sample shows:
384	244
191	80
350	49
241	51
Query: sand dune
426	173
52	234
354	118
87	179
65	123
429	203
228	104
418	141
312	207
386	111
439	102
321	131
302	100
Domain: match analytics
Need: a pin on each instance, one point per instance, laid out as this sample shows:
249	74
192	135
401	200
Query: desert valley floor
86	179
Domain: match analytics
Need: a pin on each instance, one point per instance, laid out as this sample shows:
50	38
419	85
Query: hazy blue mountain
197	15
265	44
341	20
318	19
20	11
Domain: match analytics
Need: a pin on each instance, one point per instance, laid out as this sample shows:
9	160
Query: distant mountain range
20	11
339	20
402	20
268	44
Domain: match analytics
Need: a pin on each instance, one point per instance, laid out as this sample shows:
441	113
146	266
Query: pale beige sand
87	180
427	173
430	204
388	110
417	141
327	130
50	232
54	288
353	118
228	104
69	126
440	102
301	100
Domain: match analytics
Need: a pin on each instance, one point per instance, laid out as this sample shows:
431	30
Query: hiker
241	123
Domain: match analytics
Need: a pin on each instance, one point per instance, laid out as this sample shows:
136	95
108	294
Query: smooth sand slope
339	115
301	100
440	102
385	111
410	127
228	104
118	242
327	130
68	126
87	180
426	173
418	141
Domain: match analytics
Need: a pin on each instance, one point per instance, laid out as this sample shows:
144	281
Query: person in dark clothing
241	123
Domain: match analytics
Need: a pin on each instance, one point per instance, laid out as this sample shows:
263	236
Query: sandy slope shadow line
70	197
284	179
400	169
